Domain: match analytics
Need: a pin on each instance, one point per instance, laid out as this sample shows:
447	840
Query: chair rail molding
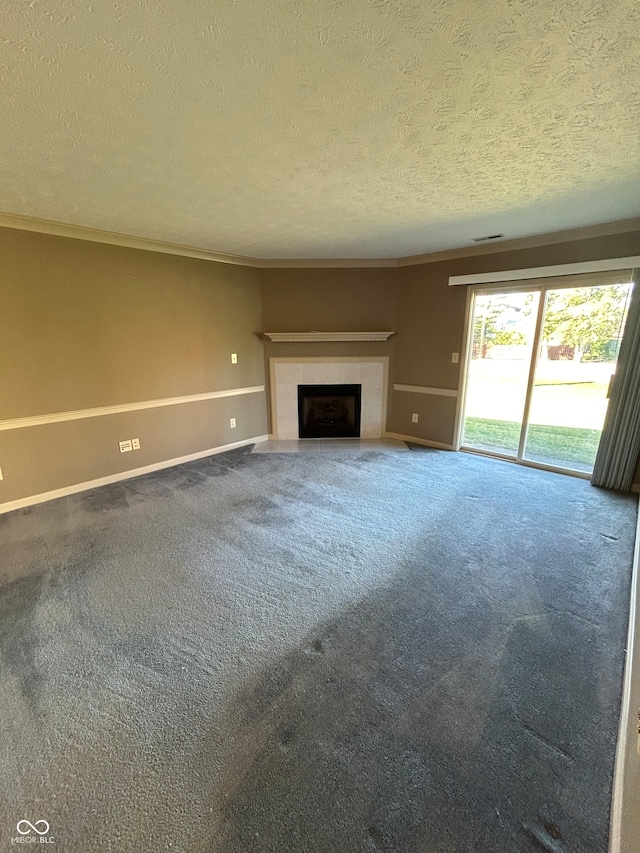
423	389
100	411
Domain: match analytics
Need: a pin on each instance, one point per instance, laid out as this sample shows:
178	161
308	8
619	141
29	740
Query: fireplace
329	411
286	374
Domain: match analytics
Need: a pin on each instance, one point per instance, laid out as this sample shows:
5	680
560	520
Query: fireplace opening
329	411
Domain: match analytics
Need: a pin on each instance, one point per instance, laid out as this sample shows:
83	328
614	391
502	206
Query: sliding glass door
538	371
499	366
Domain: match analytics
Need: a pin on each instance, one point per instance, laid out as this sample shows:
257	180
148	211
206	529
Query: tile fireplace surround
372	372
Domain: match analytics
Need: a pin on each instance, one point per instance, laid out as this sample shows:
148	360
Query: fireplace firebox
329	411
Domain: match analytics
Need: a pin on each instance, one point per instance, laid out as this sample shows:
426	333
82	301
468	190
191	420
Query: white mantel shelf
284	337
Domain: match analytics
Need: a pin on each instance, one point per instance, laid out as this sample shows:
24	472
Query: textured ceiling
344	128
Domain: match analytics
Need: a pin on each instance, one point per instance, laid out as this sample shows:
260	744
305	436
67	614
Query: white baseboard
124	475
423	441
623	800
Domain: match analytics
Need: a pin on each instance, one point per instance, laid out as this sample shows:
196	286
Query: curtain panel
619	446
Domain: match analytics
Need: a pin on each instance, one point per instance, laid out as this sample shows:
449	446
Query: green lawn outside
565	394
566	447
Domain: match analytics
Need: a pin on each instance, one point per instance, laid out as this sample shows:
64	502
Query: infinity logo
33	828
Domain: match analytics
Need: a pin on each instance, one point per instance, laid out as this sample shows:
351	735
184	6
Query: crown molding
324	263
588	232
112	238
128	241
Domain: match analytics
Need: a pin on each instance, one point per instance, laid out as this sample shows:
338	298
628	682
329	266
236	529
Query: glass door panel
498	370
577	357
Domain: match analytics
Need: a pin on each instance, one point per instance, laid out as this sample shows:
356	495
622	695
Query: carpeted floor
316	653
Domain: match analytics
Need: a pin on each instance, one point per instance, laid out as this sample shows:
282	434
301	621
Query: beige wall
328	300
417	303
84	325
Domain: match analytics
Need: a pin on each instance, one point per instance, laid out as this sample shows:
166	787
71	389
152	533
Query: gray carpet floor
312	653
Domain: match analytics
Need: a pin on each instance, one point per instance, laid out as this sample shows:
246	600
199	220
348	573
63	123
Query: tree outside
501	321
589	319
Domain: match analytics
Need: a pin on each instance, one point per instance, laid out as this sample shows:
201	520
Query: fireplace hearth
329	411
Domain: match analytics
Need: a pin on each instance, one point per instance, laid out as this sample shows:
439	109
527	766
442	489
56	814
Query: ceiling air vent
490	237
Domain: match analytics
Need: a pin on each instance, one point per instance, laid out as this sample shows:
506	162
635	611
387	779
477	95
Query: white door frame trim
482	282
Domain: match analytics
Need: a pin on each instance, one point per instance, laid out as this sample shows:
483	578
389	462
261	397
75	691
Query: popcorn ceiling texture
365	128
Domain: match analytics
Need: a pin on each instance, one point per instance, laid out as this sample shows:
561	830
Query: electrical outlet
414	418
125	446
1	474
455	357
232	423
234	358
135	443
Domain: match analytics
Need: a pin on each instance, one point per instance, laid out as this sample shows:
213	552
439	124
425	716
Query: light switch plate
125	446
234	358
455	357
